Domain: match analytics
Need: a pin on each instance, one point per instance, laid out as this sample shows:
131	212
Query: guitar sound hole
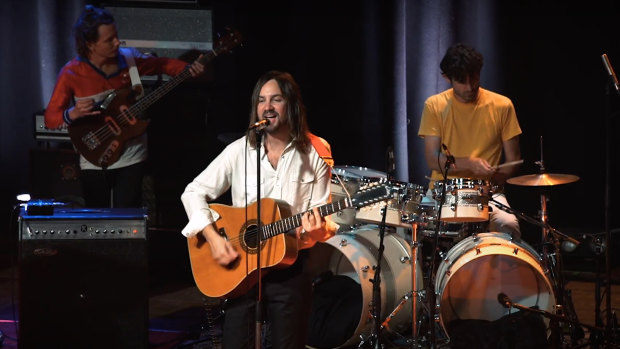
250	238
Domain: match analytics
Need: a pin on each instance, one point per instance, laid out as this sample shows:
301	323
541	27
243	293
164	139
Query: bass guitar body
101	138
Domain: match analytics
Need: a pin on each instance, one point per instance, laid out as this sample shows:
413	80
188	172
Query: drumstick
511	163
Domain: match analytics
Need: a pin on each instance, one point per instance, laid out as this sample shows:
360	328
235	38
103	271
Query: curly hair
86	28
295	109
461	62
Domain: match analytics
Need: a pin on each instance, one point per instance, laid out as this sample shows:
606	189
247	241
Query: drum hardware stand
375	335
413	295
414	284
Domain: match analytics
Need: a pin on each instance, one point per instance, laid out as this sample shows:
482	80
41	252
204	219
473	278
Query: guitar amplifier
83	278
42	133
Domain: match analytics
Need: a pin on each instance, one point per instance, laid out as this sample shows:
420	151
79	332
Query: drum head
477	269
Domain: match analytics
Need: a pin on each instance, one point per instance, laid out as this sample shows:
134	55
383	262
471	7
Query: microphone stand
507	303
431	283
612	81
375	335
259	237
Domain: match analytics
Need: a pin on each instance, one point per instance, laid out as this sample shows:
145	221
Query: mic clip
259	125
449	158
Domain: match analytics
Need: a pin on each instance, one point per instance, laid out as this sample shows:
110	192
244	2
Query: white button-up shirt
301	180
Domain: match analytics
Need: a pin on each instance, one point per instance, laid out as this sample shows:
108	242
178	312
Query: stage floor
178	316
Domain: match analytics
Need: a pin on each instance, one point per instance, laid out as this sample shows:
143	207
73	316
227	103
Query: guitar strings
104	132
287	224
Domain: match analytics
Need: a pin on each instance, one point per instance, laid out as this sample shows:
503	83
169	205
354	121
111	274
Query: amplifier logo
45	252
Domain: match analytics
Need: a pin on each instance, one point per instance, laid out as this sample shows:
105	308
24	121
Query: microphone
260	124
449	156
391	164
504	300
611	72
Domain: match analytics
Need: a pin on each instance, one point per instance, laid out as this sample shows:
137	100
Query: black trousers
286	300
125	184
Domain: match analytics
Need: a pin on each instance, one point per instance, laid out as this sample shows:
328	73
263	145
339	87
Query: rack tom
467	200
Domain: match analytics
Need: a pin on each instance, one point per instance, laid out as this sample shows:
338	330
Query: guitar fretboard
143	104
286	224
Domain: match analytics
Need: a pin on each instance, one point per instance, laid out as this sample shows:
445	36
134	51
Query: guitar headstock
227	42
371	195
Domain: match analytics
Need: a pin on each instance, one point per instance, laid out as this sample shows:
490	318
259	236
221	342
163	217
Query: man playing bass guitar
85	85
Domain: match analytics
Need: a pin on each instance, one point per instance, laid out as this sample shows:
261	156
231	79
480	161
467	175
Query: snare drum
402	209
467	200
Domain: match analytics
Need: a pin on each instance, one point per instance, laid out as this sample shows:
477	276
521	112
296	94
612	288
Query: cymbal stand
414	284
552	266
552	263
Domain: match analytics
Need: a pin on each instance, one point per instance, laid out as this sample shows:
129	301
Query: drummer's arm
436	160
512	152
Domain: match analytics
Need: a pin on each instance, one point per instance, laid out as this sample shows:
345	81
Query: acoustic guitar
279	245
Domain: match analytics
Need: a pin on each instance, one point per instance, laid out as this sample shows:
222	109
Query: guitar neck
143	104
292	222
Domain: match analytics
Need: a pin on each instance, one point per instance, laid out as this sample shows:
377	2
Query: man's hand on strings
196	68
83	107
221	249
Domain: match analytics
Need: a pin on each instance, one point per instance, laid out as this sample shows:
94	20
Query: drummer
476	126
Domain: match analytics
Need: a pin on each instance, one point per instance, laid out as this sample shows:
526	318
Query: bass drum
480	267
341	306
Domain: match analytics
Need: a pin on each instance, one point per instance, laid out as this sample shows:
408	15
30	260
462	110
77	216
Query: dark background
545	57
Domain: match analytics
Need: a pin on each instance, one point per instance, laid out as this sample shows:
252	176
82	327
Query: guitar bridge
91	140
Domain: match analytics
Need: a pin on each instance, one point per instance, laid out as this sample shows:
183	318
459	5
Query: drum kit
475	274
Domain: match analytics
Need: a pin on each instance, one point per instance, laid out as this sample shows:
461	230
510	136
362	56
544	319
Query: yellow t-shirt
470	129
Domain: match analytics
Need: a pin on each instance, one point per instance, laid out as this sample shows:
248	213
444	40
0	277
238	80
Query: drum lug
343	243
453	206
480	207
365	268
404	259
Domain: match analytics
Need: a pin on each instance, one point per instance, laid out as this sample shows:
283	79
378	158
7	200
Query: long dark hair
86	28
295	109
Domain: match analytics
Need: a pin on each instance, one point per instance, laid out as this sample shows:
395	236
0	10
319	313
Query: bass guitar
101	138
277	249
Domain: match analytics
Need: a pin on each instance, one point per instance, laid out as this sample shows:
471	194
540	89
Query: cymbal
543	179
